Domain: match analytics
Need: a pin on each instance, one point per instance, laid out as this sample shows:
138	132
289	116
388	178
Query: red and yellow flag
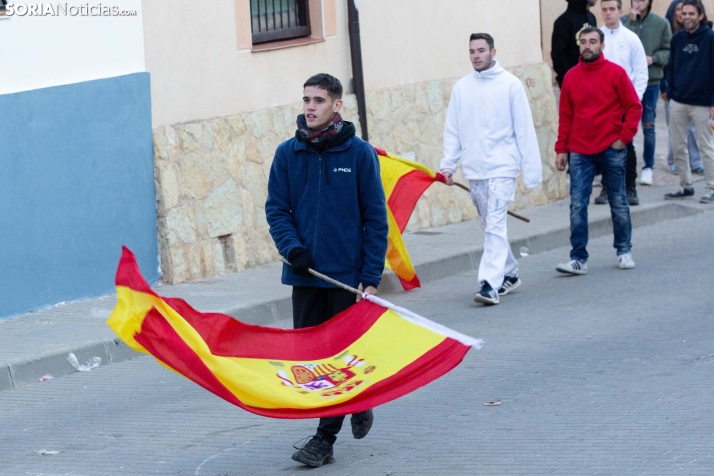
404	182
370	354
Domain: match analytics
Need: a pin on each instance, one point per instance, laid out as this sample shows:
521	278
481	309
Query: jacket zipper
317	214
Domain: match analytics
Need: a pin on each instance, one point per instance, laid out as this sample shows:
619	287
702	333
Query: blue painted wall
76	182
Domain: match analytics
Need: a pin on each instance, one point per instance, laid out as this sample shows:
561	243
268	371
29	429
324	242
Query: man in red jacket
599	114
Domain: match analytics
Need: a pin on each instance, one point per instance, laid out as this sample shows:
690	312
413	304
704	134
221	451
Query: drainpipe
357	73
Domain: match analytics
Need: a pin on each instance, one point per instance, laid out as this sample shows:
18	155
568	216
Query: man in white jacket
489	128
625	49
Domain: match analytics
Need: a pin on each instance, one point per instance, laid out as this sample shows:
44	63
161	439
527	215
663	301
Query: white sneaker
573	267
646	178
625	261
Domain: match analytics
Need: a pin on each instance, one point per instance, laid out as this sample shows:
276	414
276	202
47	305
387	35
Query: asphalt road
610	373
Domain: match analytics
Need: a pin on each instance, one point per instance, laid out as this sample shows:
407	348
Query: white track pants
491	198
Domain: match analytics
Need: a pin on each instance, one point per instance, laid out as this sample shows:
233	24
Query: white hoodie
489	128
623	47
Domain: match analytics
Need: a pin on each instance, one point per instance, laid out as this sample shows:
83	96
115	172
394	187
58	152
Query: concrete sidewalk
37	344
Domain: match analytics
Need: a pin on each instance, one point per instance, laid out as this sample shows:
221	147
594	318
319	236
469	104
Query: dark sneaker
510	283
632	198
679	194
487	295
315	453
361	424
602	198
698	171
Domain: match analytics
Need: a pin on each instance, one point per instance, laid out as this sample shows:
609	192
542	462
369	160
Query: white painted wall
410	41
43	51
198	72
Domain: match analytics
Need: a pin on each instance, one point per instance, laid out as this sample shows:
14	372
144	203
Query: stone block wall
211	175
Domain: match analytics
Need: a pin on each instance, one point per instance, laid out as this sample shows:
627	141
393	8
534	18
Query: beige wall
430	41
198	72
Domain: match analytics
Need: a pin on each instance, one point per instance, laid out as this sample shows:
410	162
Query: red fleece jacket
598	105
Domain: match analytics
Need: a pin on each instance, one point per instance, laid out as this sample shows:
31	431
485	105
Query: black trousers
314	306
630	168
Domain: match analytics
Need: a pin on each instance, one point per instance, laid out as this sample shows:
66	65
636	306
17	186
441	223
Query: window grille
275	20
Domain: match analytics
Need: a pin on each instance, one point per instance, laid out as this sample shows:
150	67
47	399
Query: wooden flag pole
514	215
328	279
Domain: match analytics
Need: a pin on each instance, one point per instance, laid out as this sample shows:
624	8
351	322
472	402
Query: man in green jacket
655	34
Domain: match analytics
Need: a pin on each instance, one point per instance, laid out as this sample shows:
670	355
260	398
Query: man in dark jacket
690	90
674	17
327	211
565	51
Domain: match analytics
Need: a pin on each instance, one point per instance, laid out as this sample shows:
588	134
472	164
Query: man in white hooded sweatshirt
489	128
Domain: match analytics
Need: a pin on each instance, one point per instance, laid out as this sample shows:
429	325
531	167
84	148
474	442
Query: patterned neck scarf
325	135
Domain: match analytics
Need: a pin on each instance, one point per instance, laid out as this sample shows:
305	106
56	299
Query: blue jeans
611	164
649	113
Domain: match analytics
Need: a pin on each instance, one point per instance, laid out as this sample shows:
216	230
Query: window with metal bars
275	20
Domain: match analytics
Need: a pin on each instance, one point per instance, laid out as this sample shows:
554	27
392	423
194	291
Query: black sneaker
315	453
632	198
679	194
602	198
487	295
510	283
361	424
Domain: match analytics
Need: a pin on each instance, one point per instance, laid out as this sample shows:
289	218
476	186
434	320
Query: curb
55	363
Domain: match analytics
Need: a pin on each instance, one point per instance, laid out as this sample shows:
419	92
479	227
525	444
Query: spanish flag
404	182
370	354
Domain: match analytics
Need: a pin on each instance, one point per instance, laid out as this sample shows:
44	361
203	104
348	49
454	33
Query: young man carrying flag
489	128
326	210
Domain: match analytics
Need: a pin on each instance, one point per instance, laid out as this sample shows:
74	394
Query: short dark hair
619	3
592	29
698	5
329	83
483	36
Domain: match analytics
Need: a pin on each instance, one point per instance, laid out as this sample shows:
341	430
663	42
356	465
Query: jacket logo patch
342	170
691	48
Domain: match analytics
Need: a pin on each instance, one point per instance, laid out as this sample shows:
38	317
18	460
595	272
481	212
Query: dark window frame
262	20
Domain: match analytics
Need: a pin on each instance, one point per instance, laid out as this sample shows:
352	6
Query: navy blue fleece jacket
690	71
332	205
